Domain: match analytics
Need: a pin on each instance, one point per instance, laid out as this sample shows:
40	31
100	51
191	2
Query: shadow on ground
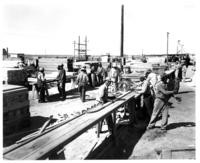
180	124
127	138
36	122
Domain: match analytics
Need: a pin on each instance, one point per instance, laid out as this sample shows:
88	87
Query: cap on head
114	64
149	71
41	69
163	77
142	78
83	68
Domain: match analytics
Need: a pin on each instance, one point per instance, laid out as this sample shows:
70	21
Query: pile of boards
16	114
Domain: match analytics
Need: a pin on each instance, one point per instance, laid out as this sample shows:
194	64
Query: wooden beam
51	142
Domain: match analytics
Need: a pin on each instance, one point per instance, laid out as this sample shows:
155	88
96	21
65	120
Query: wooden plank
49	143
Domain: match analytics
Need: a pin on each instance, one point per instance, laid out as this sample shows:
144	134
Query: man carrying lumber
102	97
161	104
82	81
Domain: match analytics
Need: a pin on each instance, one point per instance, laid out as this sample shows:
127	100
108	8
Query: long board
47	144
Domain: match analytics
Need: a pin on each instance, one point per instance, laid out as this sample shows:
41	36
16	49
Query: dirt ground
134	142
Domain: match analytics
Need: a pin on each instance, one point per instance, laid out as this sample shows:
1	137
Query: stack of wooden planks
50	143
16	114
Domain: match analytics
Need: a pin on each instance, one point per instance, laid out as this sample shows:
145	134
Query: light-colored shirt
145	88
102	93
114	75
152	78
82	78
162	92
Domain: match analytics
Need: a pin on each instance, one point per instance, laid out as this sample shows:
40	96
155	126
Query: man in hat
61	80
102	97
82	81
152	78
145	97
114	76
100	74
161	104
41	82
102	94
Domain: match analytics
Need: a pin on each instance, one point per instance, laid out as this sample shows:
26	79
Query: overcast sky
51	26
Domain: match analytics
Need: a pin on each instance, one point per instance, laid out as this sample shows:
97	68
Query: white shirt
152	78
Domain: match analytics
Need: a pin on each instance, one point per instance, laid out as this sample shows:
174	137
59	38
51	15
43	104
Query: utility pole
78	47
81	49
74	48
85	45
167	45
122	32
178	46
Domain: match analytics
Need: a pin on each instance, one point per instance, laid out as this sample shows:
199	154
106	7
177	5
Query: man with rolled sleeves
161	104
102	97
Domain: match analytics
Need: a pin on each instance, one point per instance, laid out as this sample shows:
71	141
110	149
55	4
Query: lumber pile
16	114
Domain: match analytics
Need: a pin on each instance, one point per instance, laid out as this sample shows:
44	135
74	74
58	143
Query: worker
93	77
102	97
114	76
41	84
184	70
61	80
100	74
146	99
82	81
161	104
177	75
152	78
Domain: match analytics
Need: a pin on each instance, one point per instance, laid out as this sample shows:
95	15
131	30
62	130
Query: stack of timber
51	144
51	64
14	76
16	114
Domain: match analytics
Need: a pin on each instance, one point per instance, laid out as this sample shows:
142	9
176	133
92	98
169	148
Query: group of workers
153	97
41	85
83	78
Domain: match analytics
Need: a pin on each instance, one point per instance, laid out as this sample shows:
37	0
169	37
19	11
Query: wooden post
167	45
122	32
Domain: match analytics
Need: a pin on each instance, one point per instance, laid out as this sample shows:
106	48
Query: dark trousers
109	120
61	89
148	106
82	90
100	79
41	91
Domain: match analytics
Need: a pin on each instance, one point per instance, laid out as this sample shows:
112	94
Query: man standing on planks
82	81
61	79
41	83
102	97
161	104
